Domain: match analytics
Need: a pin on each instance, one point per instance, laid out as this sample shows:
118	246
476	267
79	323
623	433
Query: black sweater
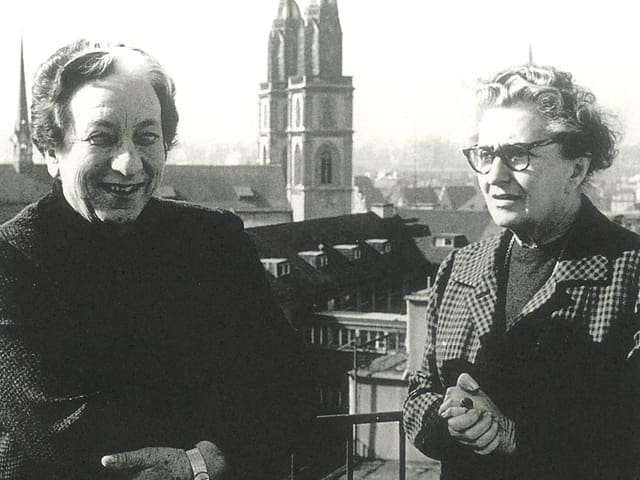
164	337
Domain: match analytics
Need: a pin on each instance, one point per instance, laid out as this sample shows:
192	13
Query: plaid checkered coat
566	371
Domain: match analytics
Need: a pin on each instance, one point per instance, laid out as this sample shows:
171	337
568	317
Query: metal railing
347	422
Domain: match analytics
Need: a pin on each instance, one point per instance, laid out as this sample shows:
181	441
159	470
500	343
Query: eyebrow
150	122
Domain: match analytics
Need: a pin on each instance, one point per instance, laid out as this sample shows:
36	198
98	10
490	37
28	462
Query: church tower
21	139
305	70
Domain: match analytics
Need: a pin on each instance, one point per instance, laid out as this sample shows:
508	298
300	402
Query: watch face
201	476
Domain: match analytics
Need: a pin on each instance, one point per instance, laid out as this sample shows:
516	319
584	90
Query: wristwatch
197	464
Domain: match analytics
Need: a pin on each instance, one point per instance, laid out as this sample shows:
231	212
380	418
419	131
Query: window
264	154
297	166
325	167
298	112
284	269
265	122
356	254
331	304
323	261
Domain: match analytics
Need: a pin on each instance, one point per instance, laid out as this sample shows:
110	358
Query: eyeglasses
516	156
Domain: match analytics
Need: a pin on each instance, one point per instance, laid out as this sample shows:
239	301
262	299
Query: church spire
22	149
323	39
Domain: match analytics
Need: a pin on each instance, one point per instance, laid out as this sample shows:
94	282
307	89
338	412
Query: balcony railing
346	423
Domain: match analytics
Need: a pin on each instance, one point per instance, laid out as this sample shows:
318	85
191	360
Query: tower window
297	166
298	113
326	167
264	154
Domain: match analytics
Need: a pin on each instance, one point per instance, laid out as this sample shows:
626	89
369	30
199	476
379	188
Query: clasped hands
474	420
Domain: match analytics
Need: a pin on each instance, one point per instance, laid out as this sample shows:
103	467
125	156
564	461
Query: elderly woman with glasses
531	365
139	338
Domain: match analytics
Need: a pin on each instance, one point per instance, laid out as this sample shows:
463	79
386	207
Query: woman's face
535	201
113	154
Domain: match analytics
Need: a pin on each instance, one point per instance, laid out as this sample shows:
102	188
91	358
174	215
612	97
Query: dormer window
351	252
382	245
315	258
278	267
450	240
244	192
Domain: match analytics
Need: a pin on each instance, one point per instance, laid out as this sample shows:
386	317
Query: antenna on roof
530	54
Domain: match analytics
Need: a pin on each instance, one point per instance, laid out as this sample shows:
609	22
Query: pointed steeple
323	39
284	42
288	9
530	54
22	149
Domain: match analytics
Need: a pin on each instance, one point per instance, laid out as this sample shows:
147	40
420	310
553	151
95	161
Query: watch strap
198	464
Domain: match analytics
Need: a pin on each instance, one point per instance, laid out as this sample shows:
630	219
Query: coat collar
583	261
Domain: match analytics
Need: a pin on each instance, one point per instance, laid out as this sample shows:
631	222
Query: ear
580	171
52	163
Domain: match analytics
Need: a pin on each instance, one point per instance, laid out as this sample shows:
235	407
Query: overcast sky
410	59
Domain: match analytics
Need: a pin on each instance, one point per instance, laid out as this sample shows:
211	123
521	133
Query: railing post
402	452
349	465
292	467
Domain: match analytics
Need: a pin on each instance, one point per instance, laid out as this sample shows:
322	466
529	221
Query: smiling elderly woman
138	337
530	369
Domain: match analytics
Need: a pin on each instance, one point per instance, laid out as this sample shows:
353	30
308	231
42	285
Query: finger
454	392
473	433
467	383
449	403
490	448
131	459
453	412
465	421
486	438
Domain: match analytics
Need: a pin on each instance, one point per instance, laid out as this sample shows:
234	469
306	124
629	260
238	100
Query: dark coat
165	337
566	372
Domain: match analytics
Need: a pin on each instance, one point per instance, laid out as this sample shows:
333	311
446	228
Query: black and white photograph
319	240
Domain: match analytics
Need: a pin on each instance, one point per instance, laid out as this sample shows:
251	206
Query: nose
499	172
127	160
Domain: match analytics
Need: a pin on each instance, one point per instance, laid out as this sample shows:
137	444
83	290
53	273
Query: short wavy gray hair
573	117
73	65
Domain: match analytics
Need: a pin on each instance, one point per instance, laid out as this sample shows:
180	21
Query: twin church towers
306	110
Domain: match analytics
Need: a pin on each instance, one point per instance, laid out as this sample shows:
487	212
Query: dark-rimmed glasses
516	156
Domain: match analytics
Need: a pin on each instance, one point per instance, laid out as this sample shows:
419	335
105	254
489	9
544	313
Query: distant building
21	181
461	197
306	110
21	139
366	194
623	200
342	279
425	198
256	193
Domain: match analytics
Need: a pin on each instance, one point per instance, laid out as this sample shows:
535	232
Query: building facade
306	110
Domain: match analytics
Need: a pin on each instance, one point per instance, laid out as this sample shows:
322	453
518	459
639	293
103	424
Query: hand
151	463
483	427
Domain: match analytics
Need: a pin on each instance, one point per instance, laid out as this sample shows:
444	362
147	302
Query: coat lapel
481	273
580	264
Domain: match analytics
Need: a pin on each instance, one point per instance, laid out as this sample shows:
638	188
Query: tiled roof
420	196
286	240
460	194
370	193
23	188
242	188
17	190
475	225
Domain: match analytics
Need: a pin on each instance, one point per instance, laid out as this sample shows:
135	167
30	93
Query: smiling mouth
120	189
507	197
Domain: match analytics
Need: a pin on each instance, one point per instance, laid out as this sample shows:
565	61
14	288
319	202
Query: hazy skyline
410	59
